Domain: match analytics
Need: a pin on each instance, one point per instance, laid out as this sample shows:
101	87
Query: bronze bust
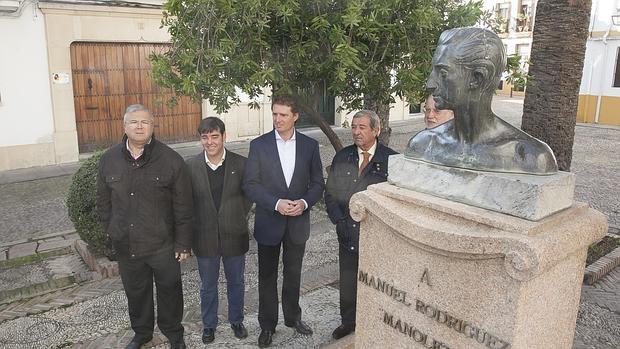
467	66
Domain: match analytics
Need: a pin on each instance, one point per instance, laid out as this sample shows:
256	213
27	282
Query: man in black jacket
353	169
220	226
144	200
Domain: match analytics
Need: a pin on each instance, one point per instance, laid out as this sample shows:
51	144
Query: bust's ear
478	78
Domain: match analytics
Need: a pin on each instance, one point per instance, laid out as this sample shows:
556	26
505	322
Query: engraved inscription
384	287
463	327
425	278
412	332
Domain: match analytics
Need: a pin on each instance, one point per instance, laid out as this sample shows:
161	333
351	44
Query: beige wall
64	24
68	23
399	110
242	122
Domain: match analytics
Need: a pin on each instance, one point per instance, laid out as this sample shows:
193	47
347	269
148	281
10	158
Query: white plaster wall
511	44
599	66
601	50
602	10
26	107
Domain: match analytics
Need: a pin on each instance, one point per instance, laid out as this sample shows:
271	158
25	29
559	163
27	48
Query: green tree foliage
516	77
363	51
82	202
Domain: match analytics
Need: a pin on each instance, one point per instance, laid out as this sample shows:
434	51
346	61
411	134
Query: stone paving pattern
34	208
598	321
93	315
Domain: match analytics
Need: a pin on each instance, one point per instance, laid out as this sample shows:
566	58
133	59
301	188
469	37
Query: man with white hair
144	200
434	117
353	169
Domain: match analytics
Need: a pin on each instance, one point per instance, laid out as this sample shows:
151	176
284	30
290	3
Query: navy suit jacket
264	184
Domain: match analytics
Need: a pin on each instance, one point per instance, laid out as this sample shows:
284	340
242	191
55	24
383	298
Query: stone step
40	277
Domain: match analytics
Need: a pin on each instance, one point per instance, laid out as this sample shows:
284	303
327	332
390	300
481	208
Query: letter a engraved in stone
426	278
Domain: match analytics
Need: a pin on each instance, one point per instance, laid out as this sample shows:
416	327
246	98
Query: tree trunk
558	50
326	128
383	111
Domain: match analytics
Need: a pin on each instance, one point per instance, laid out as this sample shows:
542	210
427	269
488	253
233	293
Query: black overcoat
343	181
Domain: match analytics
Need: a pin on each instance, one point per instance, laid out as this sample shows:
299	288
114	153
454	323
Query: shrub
82	205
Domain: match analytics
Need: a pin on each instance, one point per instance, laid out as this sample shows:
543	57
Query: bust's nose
430	85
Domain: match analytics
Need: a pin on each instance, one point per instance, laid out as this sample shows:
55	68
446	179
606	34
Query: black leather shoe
343	330
178	344
208	335
137	342
265	338
239	330
300	327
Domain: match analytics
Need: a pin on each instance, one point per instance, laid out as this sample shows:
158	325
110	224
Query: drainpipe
600	84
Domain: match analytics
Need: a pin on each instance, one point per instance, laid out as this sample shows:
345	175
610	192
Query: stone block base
531	197
434	273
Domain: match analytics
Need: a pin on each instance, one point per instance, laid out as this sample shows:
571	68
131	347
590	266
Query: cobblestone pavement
34	208
598	321
94	315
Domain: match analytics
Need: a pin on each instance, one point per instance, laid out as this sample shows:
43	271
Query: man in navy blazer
284	177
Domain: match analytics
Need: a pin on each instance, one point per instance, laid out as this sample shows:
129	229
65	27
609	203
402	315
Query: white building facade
516	18
68	68
599	93
28	132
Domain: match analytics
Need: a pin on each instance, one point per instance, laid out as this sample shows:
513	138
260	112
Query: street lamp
615	19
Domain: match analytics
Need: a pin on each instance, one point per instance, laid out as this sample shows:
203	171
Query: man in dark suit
220	226
284	176
353	169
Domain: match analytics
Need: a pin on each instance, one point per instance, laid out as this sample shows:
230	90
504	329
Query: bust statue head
467	67
468	62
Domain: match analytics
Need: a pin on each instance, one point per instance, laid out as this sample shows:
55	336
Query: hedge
82	205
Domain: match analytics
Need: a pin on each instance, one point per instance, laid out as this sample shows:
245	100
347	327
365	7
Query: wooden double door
108	77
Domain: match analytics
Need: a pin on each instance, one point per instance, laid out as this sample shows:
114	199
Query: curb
101	266
38	289
601	267
36	257
46	237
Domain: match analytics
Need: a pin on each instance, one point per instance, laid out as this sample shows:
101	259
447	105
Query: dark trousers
268	260
348	285
234	269
137	275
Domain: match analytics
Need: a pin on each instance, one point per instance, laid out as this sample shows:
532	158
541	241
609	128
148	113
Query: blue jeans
209	269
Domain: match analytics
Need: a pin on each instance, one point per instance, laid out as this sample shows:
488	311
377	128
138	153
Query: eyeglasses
143	123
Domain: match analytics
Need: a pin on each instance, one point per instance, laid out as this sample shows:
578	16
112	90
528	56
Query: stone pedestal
435	273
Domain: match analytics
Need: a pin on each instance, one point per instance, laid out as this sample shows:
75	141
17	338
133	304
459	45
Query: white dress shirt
287	152
212	165
136	156
360	156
